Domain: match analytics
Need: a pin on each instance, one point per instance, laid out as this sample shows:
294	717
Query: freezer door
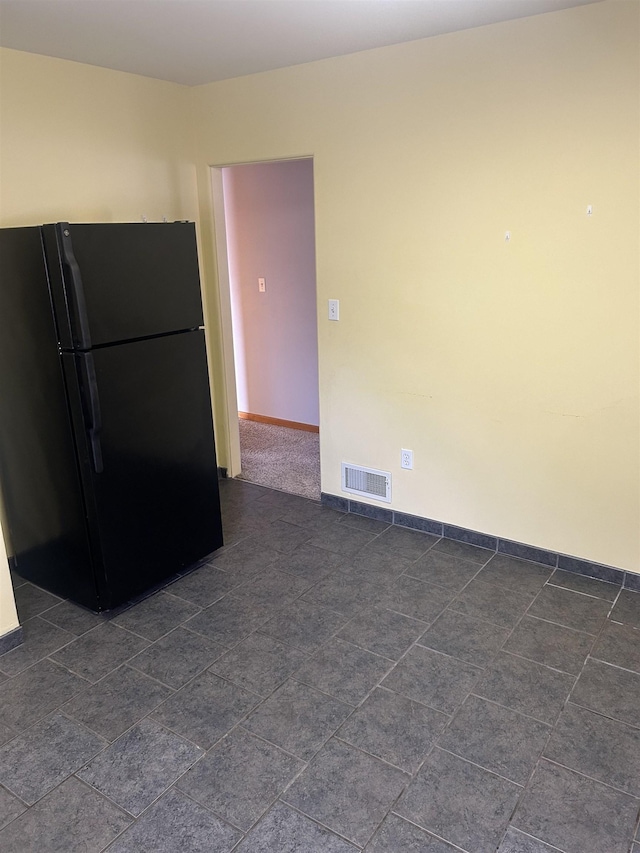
116	282
39	476
150	468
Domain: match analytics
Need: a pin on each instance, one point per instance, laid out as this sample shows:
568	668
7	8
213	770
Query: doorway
265	235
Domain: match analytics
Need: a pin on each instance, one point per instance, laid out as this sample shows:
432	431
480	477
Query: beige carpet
281	458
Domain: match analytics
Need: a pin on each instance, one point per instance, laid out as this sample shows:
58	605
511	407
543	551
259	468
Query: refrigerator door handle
80	330
91	409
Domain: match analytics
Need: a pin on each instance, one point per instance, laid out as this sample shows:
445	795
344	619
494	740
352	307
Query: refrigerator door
115	282
39	477
143	419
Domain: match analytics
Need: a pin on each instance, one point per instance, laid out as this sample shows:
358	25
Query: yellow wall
86	144
511	370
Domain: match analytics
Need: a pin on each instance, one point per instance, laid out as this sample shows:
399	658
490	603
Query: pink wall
270	235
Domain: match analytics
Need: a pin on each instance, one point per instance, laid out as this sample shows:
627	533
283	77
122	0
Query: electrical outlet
406	459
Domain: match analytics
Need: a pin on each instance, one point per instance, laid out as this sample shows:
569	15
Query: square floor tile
259	663
551	644
156	616
464	550
240	493
500	740
402	542
498	605
140	765
525	686
343	593
464	638
32	601
346	791
363	522
71	819
310	563
415	598
627	608
343	670
114	704
40	638
394	728
72	618
205	709
100	651
619	645
341	539
177	657
518	575
37	761
517	842
312	516
287	831
204	586
272	589
245	559
571	609
283	501
304	625
283	537
298	718
610	691
377	567
384	632
221	781
6	733
176	823
587	585
432	678
10	807
399	836
16	580
443	569
229	620
459	802
36	692
576	814
598	747
236	528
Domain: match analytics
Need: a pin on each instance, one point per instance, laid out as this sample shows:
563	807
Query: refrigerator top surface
115	282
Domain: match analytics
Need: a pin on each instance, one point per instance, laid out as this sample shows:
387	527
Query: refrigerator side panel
133	280
154	474
39	476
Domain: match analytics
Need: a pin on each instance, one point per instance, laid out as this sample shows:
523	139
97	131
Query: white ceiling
199	41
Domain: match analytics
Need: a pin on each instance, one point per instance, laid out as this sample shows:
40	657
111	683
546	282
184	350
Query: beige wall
86	144
511	370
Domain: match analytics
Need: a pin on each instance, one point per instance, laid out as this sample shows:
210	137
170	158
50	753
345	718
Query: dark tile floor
327	684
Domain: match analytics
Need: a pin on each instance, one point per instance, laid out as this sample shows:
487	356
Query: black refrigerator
108	472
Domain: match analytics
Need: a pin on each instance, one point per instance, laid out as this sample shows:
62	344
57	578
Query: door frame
221	260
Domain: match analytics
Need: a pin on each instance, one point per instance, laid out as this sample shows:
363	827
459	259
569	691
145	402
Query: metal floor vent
366	482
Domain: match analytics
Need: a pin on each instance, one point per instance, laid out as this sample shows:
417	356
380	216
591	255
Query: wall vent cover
366	482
